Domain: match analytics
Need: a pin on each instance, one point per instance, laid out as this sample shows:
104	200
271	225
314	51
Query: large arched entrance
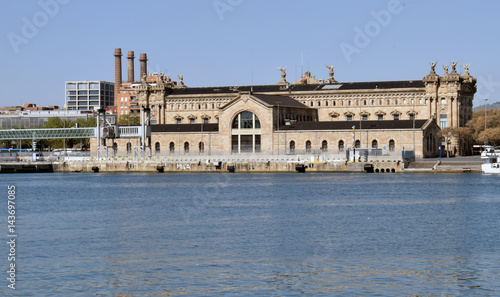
245	133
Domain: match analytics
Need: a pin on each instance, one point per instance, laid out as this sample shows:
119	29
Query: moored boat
491	164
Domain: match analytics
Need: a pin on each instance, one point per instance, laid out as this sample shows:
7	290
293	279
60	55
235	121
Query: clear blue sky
239	42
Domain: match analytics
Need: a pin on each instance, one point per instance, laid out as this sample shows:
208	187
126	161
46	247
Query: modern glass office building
89	95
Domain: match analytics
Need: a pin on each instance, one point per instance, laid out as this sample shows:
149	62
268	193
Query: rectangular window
443	121
82	92
349	117
178	121
234	143
246	143
94	92
94	86
191	121
412	117
82	86
380	117
71	86
257	143
396	117
205	121
364	118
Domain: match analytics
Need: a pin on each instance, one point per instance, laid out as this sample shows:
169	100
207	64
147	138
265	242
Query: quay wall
276	166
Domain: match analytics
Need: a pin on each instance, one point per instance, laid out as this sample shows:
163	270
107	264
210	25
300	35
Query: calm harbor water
255	234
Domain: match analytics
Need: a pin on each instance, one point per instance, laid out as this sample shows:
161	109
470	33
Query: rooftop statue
445	67
453	67
283	73
330	79
433	67
466	67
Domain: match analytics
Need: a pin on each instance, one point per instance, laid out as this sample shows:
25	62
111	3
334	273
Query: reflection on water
257	234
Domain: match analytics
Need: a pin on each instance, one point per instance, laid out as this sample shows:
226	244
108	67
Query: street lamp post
353	143
414	116
485	100
278	126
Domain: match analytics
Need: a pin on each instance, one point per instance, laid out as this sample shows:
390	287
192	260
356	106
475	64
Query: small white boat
491	164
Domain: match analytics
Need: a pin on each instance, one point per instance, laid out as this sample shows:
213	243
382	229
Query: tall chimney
118	72
144	65
130	66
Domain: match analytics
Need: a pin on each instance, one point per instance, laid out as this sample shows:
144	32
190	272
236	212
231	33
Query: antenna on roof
308	59
301	63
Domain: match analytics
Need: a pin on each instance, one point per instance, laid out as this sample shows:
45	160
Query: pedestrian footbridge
64	133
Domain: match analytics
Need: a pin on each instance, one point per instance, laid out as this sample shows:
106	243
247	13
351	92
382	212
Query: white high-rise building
89	95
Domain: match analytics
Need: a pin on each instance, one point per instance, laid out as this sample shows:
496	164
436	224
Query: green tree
57	122
476	124
129	120
90	122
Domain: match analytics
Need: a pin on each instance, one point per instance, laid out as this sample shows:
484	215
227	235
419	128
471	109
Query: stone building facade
306	116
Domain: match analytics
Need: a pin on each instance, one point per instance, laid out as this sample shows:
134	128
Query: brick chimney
118	72
144	66
130	58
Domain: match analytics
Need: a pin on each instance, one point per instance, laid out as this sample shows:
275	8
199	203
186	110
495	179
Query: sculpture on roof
445	67
466	67
330	79
283	73
433	67
283	76
181	81
453	67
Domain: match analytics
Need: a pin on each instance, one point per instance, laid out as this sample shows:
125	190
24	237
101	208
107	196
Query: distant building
27	106
89	95
37	118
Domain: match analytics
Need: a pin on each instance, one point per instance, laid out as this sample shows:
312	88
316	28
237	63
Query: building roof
347	125
381	85
182	128
278	100
301	87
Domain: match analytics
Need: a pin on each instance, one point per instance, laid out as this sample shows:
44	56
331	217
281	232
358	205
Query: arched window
246	120
357	144
245	135
341	145
391	145
292	147
157	147
374	144
115	147
171	147
308	146
201	147
186	147
129	147
324	146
